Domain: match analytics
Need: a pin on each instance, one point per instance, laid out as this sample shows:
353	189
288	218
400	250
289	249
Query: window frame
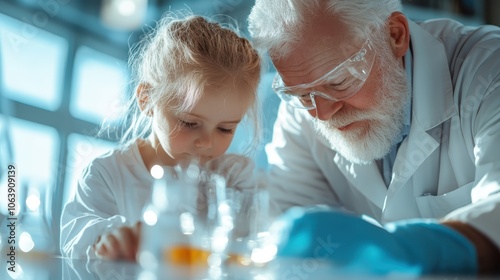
75	37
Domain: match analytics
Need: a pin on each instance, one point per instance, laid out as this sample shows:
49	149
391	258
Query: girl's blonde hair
183	56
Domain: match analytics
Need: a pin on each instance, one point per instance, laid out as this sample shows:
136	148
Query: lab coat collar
432	85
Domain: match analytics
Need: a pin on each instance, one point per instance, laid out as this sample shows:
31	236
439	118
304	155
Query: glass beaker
250	241
187	221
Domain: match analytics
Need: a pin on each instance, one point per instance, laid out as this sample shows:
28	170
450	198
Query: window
35	150
32	63
98	86
50	107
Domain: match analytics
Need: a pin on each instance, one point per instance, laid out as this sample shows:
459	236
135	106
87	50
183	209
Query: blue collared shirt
387	162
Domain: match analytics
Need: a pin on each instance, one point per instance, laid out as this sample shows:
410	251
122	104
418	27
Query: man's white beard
382	124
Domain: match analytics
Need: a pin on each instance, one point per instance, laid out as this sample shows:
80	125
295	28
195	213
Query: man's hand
121	243
355	245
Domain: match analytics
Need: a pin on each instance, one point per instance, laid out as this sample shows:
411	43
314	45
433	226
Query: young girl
195	82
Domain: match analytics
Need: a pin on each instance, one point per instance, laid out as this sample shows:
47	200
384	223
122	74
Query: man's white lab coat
448	166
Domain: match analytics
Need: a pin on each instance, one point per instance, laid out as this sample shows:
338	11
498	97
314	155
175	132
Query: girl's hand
121	243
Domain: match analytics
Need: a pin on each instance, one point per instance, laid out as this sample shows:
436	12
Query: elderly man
388	118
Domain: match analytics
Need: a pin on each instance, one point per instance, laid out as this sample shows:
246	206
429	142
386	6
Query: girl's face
206	131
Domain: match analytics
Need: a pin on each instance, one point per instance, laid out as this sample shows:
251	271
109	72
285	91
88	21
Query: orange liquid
186	255
234	259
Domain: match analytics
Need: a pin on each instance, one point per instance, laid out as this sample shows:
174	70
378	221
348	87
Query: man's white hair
276	24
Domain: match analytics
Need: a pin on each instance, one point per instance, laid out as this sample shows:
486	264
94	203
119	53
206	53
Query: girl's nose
204	141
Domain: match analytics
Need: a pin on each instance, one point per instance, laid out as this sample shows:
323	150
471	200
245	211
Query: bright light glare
150	217
187	223
17	274
26	243
224	208
219	239
33	202
263	255
157	172
126	7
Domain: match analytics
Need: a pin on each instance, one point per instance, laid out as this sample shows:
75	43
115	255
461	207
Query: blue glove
411	247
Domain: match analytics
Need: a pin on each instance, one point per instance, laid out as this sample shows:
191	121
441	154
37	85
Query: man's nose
325	109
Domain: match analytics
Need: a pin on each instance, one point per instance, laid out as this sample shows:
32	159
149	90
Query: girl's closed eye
188	124
226	130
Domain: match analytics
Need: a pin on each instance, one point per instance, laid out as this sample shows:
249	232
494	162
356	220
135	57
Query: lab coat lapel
412	152
365	178
432	88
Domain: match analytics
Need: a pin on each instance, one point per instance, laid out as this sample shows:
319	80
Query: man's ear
142	95
400	34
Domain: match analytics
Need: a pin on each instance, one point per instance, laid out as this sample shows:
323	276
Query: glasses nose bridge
312	96
323	110
323	95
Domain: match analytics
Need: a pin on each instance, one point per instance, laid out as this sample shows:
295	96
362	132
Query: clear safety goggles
340	83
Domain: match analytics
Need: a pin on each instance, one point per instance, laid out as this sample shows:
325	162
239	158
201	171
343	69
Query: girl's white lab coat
448	166
115	188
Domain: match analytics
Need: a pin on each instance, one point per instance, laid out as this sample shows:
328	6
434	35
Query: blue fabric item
352	244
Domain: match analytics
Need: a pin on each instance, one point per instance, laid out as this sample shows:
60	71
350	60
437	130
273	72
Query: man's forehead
318	37
323	43
310	61
325	24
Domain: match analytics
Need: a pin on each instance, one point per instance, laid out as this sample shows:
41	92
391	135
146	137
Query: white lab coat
113	191
448	165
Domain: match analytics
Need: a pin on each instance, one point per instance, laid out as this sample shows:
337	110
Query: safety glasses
340	83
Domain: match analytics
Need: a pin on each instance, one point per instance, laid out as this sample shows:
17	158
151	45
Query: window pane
32	62
5	145
35	149
99	85
81	151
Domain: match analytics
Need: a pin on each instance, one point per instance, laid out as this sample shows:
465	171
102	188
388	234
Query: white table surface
53	268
